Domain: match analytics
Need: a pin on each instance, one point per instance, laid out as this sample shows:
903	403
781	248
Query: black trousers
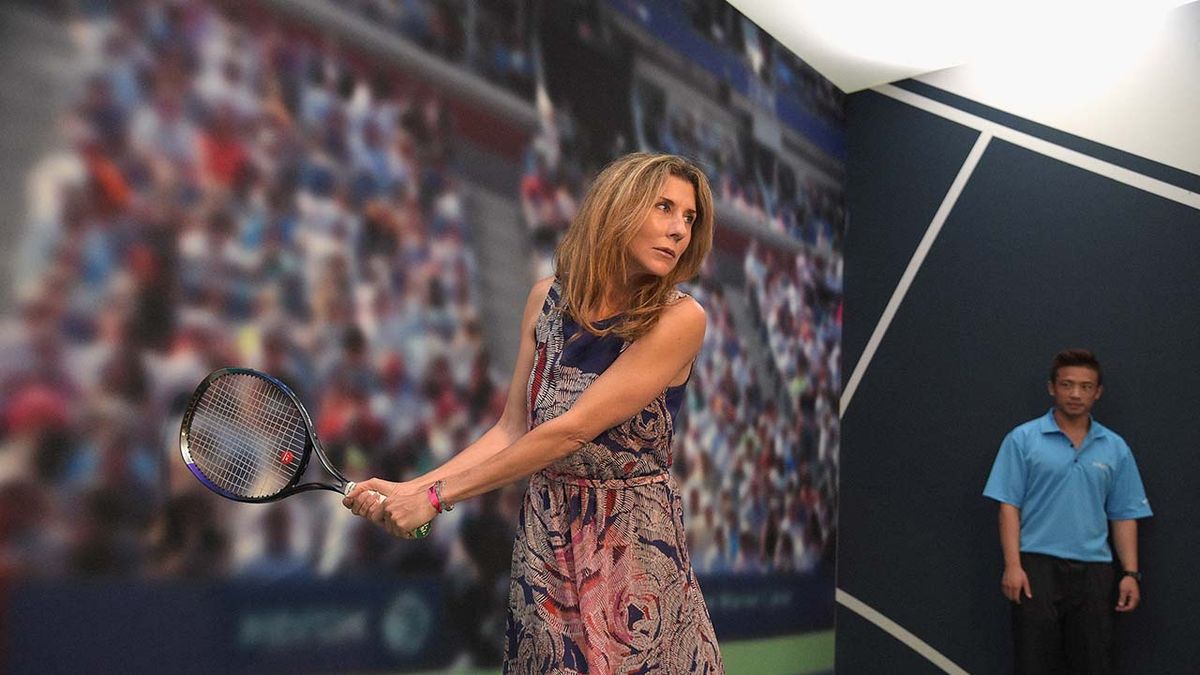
1067	626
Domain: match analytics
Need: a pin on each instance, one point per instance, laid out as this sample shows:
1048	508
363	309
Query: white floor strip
895	630
1072	157
910	273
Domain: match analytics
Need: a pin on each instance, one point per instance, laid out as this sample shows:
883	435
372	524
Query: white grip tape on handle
350	488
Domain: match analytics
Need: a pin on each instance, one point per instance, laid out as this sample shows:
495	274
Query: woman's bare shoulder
537	298
683	313
686	305
541	287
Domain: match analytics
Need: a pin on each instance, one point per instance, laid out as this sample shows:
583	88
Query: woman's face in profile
666	230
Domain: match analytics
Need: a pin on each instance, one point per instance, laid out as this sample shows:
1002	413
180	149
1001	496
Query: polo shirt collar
1048	425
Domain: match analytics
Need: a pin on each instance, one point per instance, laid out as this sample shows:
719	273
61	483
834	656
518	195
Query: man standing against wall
1060	480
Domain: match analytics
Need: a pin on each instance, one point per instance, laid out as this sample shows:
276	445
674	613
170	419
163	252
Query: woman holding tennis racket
602	581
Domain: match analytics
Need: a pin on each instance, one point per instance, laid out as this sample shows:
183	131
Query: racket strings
251	459
247	436
240	462
271	424
234	450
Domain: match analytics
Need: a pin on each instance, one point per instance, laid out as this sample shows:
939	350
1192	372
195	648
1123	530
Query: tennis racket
246	436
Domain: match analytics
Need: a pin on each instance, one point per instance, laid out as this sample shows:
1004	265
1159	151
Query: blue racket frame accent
312	444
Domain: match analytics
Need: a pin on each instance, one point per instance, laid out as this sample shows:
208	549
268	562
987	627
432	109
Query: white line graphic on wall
914	265
1035	144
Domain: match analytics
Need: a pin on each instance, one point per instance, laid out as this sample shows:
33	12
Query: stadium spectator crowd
775	66
490	39
758	497
494	39
229	192
234	190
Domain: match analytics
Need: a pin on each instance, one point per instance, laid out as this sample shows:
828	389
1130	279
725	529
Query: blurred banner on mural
355	196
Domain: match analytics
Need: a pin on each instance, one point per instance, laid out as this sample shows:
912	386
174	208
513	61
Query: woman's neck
615	300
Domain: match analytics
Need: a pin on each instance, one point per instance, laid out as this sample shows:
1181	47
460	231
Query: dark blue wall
1037	255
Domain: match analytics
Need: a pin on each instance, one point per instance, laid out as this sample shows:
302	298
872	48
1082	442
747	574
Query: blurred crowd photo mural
355	196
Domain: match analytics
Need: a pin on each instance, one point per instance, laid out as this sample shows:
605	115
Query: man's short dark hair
1076	357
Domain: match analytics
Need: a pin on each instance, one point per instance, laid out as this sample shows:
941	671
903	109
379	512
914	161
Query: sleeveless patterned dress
601	578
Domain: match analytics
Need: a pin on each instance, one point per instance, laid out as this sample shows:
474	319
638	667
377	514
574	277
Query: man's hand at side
1014	583
1128	594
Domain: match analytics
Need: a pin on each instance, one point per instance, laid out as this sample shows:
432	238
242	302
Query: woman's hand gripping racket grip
419	533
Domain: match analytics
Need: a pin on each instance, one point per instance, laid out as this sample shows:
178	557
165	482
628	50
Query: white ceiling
859	44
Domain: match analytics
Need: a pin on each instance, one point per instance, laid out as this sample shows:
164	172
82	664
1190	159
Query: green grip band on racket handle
419	533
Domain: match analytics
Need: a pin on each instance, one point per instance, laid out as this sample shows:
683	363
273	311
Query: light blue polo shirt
1067	496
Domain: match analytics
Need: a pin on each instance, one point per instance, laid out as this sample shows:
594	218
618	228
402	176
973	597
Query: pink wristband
433	499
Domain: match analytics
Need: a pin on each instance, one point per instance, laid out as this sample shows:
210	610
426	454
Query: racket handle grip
350	486
419	533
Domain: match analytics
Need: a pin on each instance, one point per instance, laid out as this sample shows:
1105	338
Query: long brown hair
593	252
